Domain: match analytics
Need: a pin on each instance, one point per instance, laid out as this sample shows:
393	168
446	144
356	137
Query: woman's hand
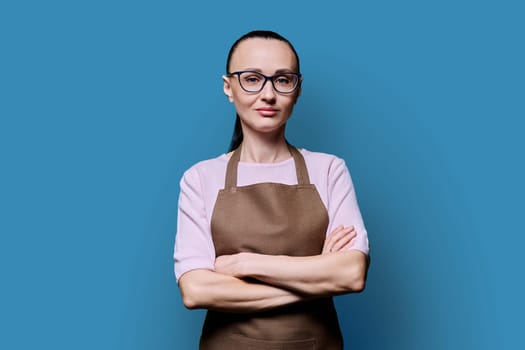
339	239
231	265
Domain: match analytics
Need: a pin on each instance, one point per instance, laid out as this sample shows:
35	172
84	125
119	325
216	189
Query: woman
267	233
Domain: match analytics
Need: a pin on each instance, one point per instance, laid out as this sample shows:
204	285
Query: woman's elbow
356	276
189	291
190	302
358	284
188	299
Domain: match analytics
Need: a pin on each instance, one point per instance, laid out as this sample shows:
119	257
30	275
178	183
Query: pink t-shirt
201	183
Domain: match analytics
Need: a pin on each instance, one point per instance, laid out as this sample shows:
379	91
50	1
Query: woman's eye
282	80
252	79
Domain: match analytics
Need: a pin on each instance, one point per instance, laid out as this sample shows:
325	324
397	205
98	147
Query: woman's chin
266	125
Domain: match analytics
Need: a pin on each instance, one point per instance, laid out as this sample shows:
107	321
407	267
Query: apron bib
273	219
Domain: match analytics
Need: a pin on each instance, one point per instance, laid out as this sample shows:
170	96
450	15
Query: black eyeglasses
253	82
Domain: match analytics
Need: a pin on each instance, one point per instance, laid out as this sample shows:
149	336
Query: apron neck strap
300	167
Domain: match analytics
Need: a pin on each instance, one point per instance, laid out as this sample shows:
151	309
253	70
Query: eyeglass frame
266	78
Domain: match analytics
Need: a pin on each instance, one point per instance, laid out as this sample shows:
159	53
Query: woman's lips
267	112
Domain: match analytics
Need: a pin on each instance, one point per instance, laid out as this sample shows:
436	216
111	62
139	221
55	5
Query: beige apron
274	219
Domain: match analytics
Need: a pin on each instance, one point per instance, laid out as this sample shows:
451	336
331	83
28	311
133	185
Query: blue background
104	104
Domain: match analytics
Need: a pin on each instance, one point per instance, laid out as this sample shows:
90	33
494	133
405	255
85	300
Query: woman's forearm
319	275
211	290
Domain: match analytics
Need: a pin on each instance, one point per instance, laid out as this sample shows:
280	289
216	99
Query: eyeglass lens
253	81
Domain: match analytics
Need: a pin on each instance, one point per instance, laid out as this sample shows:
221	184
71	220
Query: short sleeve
343	208
193	243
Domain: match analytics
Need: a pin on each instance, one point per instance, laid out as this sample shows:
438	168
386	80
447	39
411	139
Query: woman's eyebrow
251	70
282	70
285	70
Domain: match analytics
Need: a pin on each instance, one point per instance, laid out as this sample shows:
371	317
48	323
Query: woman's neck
264	149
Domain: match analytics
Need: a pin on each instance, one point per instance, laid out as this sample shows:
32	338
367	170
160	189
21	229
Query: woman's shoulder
326	168
321	159
207	166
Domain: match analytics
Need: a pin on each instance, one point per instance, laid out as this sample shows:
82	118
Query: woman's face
266	111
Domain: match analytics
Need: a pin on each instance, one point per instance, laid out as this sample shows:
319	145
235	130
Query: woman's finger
341	243
334	237
340	234
347	245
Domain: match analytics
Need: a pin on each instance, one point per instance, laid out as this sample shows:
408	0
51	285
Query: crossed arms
248	282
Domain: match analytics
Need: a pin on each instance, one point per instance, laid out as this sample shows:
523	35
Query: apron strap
231	169
300	167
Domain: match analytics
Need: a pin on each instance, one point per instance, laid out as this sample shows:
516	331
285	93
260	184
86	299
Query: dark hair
264	34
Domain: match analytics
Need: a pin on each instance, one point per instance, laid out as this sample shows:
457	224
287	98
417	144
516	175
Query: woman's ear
227	88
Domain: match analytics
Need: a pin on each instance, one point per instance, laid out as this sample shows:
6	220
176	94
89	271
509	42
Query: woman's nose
268	92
